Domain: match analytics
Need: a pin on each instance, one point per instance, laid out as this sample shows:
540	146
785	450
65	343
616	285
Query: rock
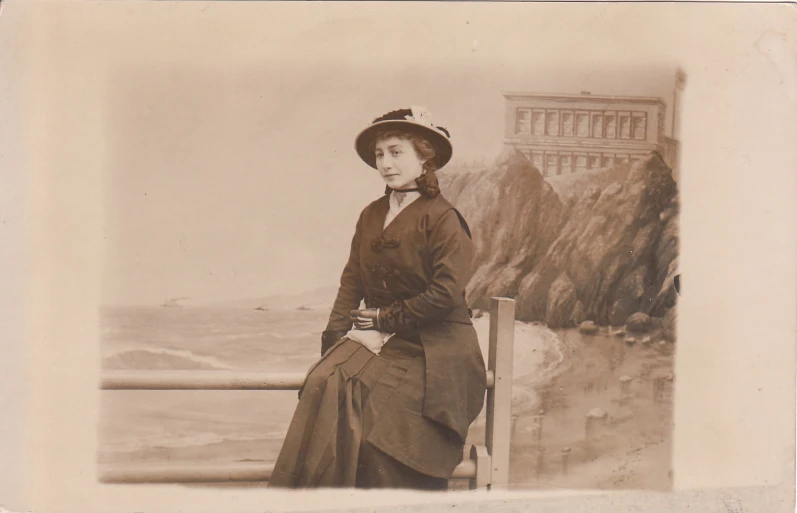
619	333
561	302
596	245
514	216
668	294
630	341
611	191
634	287
668	325
639	323
626	379
588	328
578	316
646	341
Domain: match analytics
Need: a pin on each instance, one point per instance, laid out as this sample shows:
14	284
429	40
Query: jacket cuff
329	338
395	318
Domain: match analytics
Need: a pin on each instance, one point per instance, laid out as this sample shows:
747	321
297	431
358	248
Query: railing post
499	398
478	453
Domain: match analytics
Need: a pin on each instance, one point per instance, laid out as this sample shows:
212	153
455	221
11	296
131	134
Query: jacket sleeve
350	294
451	251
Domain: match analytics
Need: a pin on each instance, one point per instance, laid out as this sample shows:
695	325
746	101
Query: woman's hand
364	319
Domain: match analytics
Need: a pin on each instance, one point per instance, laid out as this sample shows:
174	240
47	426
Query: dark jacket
415	271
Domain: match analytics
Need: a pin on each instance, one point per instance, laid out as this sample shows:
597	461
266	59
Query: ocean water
162	427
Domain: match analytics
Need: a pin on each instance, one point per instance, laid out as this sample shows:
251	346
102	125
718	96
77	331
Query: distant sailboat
262	308
173	302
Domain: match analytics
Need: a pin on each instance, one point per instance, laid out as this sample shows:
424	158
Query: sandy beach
559	378
604	420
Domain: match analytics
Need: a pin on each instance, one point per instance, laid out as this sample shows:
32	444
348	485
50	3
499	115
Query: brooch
381	243
383	272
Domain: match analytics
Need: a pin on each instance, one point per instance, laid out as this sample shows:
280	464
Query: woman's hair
427	182
422	146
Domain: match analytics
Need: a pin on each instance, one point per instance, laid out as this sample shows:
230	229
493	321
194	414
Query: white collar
409	197
394	209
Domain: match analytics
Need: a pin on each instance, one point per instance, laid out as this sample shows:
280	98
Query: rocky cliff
595	251
515	216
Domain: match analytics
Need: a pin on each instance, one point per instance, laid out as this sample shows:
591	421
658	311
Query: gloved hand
365	319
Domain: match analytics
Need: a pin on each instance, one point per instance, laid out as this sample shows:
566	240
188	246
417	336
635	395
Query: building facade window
581	162
566	163
536	159
551	167
523	124
611	125
567	124
538	122
597	124
582	124
639	125
661	121
552	122
581	120
624	119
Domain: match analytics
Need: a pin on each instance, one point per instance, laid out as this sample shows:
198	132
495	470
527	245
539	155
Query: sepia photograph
470	279
382	256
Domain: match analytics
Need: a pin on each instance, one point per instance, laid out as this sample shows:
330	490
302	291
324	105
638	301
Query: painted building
565	133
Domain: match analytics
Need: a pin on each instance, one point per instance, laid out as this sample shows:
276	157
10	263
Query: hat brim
441	143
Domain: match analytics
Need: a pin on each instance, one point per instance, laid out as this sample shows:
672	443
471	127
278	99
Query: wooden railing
209	380
487	467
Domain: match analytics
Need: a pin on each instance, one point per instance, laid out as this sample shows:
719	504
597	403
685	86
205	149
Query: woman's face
398	162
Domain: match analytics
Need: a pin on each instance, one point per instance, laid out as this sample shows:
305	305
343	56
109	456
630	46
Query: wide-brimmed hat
415	120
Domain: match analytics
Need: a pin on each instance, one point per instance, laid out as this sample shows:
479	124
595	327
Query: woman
390	402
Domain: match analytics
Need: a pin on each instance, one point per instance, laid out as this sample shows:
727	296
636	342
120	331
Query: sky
230	168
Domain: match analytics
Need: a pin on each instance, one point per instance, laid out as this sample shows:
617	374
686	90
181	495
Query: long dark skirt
346	433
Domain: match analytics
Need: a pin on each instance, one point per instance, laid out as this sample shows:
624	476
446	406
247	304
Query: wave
257	335
273	334
538	357
194	440
162	359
